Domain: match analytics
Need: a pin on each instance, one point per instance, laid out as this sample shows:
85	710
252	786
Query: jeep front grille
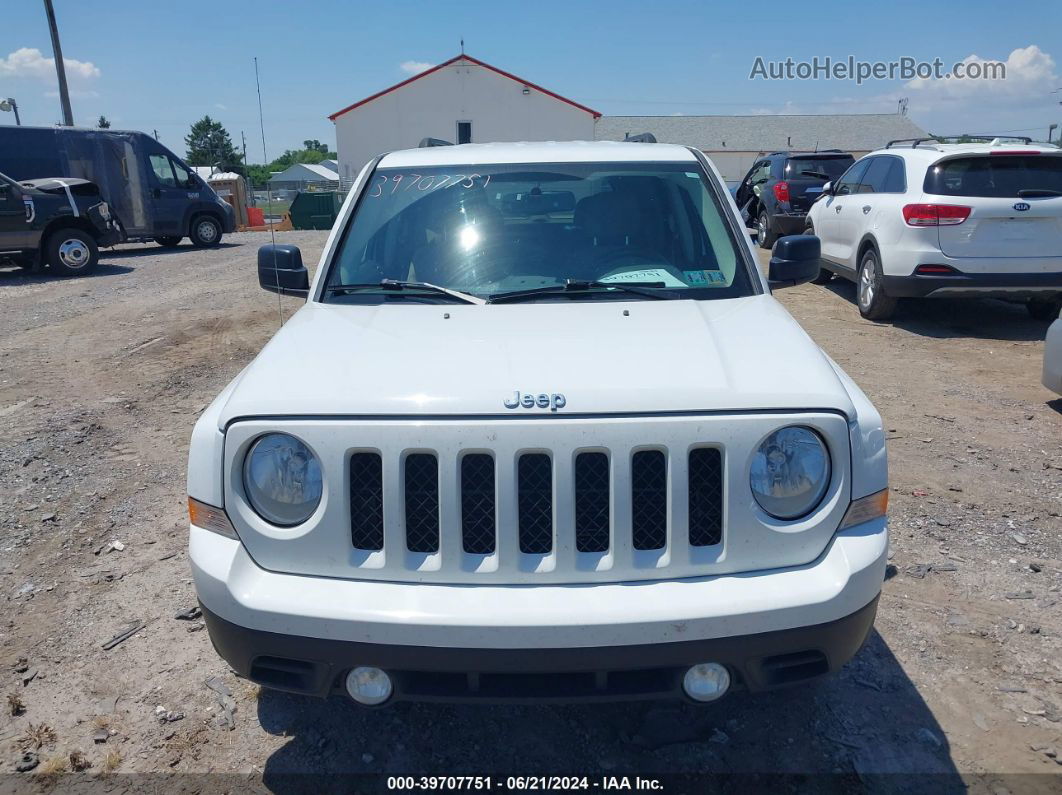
706	496
366	501
422	502
478	504
649	499
592	501
534	490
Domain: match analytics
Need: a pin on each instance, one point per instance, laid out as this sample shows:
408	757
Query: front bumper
301	633
984	285
313	666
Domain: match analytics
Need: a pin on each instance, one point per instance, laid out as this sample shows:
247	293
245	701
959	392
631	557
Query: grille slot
477	504
535	503
366	501
706	496
649	499
591	502
422	502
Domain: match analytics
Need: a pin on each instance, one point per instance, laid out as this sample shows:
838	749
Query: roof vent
426	142
640	138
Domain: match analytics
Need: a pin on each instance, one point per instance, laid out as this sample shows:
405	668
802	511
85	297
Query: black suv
60	223
780	188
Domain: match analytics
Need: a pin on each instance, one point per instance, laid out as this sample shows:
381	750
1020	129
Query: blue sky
162	69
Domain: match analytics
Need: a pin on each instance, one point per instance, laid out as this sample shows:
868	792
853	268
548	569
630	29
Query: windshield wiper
394	284
1034	193
647	289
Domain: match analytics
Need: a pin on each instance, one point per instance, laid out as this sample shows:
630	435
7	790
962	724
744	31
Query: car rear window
999	176
832	167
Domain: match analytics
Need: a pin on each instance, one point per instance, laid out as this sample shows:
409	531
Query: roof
765	133
298	171
208	173
468	59
536	152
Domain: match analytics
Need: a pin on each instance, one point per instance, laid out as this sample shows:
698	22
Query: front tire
1040	309
764	237
169	241
71	252
871	299
205	231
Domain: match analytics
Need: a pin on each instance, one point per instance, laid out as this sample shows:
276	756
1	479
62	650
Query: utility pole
244	139
60	67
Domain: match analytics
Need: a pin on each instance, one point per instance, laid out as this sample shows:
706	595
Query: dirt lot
101	379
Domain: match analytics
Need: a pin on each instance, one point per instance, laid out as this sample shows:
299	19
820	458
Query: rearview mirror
280	270
795	260
827	189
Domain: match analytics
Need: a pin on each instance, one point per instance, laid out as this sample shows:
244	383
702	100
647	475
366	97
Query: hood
411	359
78	187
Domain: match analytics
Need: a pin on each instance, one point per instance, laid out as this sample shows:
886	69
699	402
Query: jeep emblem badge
1022	206
527	400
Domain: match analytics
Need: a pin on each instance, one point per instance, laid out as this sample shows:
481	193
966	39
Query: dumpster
316	210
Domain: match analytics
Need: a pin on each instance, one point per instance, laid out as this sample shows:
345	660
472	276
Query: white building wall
432	105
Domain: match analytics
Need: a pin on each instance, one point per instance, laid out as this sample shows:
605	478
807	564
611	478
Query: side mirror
280	270
827	189
795	260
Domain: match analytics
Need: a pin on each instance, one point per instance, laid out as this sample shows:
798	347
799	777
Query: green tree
103	123
209	144
313	145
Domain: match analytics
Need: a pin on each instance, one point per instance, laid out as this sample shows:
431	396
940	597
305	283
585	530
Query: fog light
368	685
706	681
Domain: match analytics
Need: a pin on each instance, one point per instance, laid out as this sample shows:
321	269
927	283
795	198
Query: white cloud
1030	75
30	62
220	106
414	67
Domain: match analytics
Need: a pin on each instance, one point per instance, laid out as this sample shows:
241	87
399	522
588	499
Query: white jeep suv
540	431
923	218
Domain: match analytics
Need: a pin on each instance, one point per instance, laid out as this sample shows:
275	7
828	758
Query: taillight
935	270
781	191
935	214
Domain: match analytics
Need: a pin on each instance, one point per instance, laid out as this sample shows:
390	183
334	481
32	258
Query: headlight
790	472
282	477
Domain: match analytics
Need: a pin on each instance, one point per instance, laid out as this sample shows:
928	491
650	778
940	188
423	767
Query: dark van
152	194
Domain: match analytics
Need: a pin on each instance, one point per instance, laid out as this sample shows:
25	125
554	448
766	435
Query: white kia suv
923	218
540	431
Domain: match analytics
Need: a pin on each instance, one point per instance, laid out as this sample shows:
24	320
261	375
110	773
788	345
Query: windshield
832	167
488	230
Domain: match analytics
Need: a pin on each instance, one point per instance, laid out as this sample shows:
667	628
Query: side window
874	180
849	181
762	173
184	176
160	165
896	179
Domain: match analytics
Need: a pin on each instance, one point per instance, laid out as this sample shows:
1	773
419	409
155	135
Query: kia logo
1022	206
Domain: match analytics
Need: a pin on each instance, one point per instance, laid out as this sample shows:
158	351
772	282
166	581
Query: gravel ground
101	379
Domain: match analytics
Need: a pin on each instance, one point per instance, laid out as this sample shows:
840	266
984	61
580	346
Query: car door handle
837	208
156	194
866	209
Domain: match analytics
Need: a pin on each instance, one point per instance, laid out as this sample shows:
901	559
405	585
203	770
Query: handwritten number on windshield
424	183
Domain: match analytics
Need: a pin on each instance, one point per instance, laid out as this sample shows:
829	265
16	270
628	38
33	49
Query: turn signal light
210	518
935	214
873	506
